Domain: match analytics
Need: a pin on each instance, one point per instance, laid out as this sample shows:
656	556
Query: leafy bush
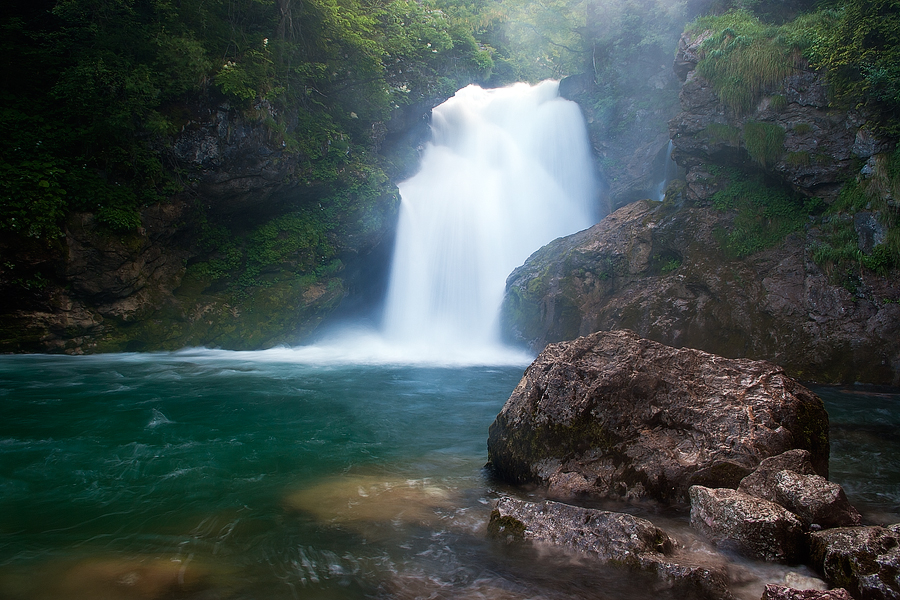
861	52
838	248
101	87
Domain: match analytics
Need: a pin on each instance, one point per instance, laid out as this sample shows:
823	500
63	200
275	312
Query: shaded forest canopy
96	90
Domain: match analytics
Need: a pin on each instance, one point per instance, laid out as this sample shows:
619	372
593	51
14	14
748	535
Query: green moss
764	215
837	251
811	430
798	159
778	102
802	128
721	133
743	57
764	141
513	450
506	528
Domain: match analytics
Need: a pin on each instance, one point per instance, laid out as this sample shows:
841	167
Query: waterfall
669	171
507	171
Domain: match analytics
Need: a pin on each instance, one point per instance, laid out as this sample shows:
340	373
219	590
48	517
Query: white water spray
508	171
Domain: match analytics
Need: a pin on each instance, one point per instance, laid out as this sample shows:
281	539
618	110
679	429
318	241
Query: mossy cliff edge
778	239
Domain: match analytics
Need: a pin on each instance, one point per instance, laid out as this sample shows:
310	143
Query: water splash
508	171
157	419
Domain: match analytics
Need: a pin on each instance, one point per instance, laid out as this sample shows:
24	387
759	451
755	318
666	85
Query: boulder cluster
615	416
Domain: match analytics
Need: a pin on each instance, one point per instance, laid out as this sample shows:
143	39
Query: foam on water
507	171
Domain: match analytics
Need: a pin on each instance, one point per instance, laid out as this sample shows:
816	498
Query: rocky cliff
739	259
256	250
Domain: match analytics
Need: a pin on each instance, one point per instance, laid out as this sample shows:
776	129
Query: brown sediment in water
107	577
361	499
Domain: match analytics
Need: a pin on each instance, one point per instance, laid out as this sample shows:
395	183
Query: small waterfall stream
508	170
669	172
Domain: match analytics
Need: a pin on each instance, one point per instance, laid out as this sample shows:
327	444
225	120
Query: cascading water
668	172
508	170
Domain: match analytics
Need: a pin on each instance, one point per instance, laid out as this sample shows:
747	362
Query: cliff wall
259	246
739	258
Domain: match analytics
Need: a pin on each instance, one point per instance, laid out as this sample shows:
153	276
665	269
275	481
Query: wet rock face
761	482
864	560
660	271
614	415
814	499
790	480
608	535
749	525
780	592
821	145
611	538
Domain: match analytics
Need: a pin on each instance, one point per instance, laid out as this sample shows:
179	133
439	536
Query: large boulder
614	415
747	524
864	560
610	537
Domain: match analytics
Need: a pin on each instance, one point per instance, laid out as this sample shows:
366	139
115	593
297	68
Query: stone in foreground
752	526
614	415
780	592
612	538
864	560
761	482
815	500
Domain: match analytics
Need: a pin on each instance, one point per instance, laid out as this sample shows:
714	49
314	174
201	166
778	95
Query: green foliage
669	266
856	42
32	198
764	141
798	159
743	57
763	215
861	52
719	133
778	102
102	85
837	251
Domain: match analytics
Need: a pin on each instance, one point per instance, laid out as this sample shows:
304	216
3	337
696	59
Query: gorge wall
708	269
247	256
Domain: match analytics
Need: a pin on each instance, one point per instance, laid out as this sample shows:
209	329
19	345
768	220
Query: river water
207	474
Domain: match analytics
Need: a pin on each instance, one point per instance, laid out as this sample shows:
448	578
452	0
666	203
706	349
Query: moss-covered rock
664	272
614	415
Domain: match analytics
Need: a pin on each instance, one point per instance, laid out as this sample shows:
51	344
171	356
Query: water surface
246	475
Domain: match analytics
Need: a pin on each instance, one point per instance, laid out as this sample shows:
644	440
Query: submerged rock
864	560
614	415
611	537
363	501
138	578
815	499
752	526
761	482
